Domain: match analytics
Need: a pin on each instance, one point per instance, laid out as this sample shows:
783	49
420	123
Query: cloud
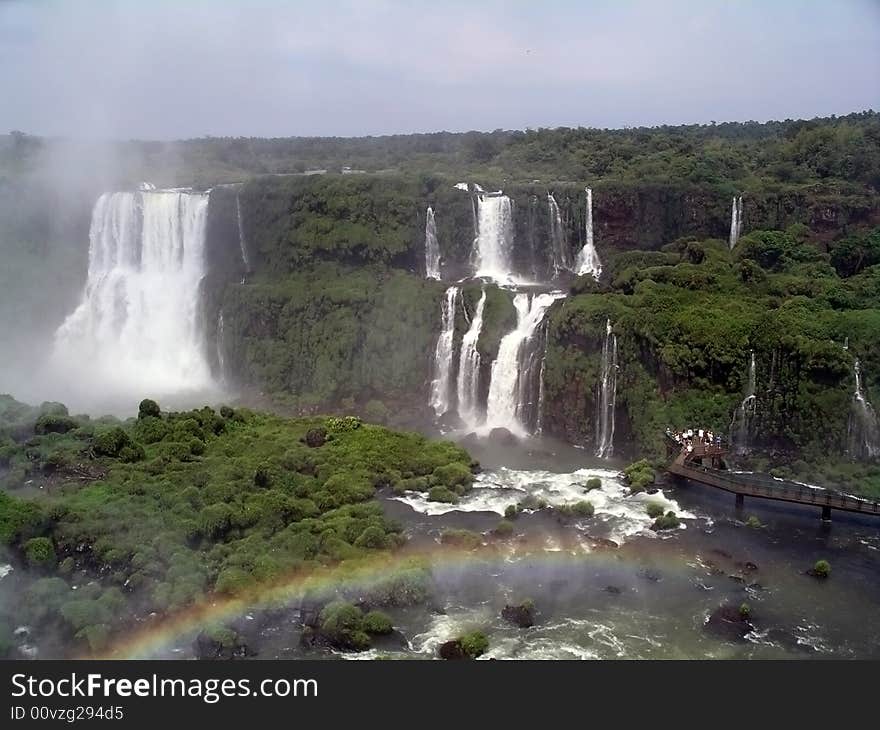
170	69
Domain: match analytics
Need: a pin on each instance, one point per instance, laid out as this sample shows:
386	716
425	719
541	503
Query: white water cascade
736	223
741	425
588	258
441	386
241	241
137	330
432	248
606	395
493	246
560	253
510	383
468	385
221	346
864	426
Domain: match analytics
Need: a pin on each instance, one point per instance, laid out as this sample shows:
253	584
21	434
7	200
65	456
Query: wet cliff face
335	312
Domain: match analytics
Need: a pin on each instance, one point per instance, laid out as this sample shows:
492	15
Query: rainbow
348	577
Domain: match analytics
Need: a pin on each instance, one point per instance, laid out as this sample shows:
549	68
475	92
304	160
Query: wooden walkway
694	465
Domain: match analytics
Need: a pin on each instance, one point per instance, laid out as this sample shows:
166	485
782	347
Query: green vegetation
745	611
461	538
474	644
822	569
654	509
639	475
503	529
669	521
753	522
593	483
253	504
581	508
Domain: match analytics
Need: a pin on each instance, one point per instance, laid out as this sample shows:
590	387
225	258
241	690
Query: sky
190	68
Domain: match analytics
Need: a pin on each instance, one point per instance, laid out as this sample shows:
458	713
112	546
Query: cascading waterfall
736	222
221	346
137	328
516	366
588	258
441	386
493	246
863	432
561	256
241	242
606	395
468	385
741	425
432	248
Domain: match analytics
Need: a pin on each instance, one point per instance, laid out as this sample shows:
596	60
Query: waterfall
441	385
432	248
241	243
606	395
493	246
221	346
588	258
468	386
741	425
863	432
137	327
736	222
515	367
561	257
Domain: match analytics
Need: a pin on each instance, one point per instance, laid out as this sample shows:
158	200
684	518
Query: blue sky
164	70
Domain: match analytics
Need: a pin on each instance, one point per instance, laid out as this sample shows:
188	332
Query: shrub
197	447
463	538
343	424
372	537
639	475
39	551
442	494
452	475
227	412
343	624
745	610
377	623
531	502
53	423
150	430
474	644
654	509
822	569
148	408
131	453
511	512
263	476
669	521
111	442
583	509
593	483
753	522
503	529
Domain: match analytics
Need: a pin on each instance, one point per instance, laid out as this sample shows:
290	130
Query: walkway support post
826	513
740	501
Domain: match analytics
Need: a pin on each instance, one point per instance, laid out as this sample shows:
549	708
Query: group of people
691	437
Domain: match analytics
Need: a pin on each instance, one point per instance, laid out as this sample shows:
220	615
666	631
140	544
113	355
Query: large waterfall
468	385
741	425
432	248
493	246
606	395
864	427
736	222
441	386
512	389
588	258
559	252
137	329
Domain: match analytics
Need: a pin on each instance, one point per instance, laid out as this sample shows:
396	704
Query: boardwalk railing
751	485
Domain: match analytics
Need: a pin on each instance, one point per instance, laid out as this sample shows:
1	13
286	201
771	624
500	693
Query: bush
822	569
669	521
377	623
463	538
197	447
39	551
53	423
150	430
111	442
753	522
132	452
442	494
511	512
639	475
583	509
654	509
373	537
503	529
474	644
593	483
343	624
453	475
343	424
745	610
227	412
148	409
